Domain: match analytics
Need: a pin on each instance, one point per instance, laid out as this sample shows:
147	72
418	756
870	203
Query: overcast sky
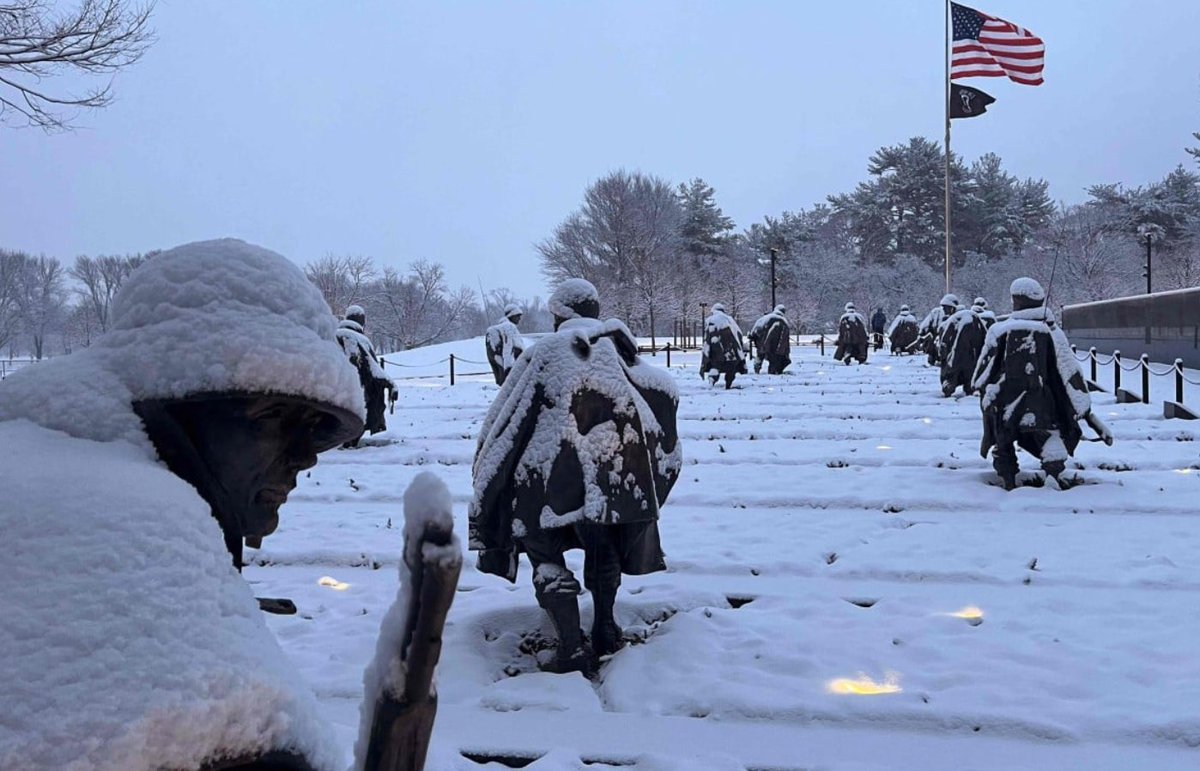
464	131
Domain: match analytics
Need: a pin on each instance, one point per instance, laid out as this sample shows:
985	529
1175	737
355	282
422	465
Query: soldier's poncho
903	332
358	348
959	347
504	346
581	430
852	337
1029	382
927	340
771	336
722	351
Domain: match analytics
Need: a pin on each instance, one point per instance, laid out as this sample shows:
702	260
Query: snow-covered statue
986	314
771	336
903	331
931	326
852	336
504	343
579	450
1032	392
723	351
878	327
959	345
129	640
351	335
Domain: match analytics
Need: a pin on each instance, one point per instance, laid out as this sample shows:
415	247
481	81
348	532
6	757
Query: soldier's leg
729	376
602	577
1004	460
557	590
1053	453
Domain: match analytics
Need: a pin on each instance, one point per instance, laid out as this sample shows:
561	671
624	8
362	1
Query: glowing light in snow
821	373
927	421
333	583
970	613
1183	471
1114	414
863	686
883	447
887	368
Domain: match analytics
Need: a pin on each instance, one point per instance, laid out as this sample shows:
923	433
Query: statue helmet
1029	289
511	310
575	298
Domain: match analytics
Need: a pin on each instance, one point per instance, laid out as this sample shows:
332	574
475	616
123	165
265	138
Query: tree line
48	308
657	250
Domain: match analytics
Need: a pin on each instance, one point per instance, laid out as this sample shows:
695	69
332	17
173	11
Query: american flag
985	46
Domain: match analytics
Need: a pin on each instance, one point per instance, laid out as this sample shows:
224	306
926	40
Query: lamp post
774	283
1148	232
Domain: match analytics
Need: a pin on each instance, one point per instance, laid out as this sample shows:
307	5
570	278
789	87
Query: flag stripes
987	47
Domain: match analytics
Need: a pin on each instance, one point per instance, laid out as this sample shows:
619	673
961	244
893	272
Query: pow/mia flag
967	102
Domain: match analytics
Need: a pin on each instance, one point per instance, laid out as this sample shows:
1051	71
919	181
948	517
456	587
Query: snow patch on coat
130	643
1034	320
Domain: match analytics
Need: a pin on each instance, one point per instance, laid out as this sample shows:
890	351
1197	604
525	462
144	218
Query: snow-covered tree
99	278
41	298
343	279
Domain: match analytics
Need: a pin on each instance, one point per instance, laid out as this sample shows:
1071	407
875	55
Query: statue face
241	452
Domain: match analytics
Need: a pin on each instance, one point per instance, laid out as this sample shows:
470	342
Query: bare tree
344	280
39	41
626	239
415	309
41	298
99	279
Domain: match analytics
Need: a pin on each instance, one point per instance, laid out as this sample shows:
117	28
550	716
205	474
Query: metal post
668	355
1116	371
821	342
653	340
1149	241
1092	356
1145	378
451	369
946	104
774	253
1179	381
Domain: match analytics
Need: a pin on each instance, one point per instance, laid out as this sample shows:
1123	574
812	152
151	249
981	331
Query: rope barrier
1170	371
420	366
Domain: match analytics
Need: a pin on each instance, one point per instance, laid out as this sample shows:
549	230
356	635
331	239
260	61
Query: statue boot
572	655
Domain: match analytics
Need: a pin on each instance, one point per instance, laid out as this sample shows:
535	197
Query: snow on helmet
982	303
227	316
904	309
512	309
950	300
575	298
718	308
1028	288
849	307
781	309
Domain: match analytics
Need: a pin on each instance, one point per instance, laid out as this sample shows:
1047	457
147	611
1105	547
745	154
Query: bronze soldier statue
1032	392
852	342
723	352
579	450
503	343
771	336
903	332
959	345
376	384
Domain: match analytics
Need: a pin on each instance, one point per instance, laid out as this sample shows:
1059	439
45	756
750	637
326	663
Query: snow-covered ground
830	523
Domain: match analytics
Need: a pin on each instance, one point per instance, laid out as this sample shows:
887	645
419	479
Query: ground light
883	447
971	614
333	583
864	686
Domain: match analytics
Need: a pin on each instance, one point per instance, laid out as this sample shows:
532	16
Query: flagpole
946	104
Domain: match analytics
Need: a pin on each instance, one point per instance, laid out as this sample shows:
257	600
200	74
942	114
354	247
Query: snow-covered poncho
582	429
374	380
771	336
1030	381
504	346
129	641
852	336
903	331
959	346
723	348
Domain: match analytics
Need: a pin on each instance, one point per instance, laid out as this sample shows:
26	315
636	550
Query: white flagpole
946	102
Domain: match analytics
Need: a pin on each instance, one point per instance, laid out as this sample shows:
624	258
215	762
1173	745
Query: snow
427	506
569	294
129	641
355	343
204	317
902	317
851	506
1027	287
